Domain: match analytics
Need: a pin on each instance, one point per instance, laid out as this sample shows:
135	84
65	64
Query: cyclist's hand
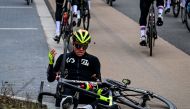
51	56
58	76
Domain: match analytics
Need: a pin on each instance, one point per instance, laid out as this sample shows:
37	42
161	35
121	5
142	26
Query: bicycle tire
132	98
151	26
182	15
176	7
28	2
86	17
107	1
187	15
111	2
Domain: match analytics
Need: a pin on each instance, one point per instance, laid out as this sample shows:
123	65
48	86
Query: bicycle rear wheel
176	7
187	15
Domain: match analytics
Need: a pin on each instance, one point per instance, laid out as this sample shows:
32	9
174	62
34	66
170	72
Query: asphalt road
172	31
23	47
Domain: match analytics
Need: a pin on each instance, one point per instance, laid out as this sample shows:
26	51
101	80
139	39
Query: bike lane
116	42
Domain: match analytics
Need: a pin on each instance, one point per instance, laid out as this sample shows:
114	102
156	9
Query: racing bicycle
84	14
110	92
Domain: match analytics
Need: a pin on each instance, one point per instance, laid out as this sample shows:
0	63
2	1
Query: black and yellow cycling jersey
79	68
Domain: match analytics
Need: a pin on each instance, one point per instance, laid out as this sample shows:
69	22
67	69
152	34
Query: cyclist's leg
182	4
160	6
167	7
144	8
75	8
59	8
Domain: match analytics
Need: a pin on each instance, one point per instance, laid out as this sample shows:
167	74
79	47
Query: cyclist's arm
96	66
52	70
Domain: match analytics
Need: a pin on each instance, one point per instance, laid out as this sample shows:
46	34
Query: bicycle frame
72	85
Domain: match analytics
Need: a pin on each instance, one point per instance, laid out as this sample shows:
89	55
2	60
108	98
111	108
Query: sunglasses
78	46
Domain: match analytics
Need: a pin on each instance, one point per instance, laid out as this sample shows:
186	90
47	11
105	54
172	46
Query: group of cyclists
81	65
168	5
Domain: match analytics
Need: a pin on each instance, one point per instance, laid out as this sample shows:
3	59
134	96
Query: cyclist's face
80	49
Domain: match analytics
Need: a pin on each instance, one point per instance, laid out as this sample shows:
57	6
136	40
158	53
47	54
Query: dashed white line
14	7
18	28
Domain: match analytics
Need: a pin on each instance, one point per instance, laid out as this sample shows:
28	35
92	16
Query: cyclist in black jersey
144	8
79	64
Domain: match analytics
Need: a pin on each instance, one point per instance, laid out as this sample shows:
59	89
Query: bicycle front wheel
86	17
176	7
142	99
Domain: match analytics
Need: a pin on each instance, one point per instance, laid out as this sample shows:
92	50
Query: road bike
29	2
151	28
66	30
110	93
84	14
187	14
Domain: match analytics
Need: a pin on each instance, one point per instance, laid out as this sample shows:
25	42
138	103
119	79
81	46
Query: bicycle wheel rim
137	95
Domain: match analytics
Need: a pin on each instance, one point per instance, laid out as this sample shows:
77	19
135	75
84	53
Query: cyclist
167	8
168	5
79	64
144	8
59	8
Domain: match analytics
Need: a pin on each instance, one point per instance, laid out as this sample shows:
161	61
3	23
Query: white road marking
18	28
14	7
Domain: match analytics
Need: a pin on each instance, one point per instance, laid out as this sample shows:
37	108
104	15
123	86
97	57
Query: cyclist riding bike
144	8
79	64
59	7
168	5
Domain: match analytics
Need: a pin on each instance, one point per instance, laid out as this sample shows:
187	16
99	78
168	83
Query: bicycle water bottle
65	17
87	86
